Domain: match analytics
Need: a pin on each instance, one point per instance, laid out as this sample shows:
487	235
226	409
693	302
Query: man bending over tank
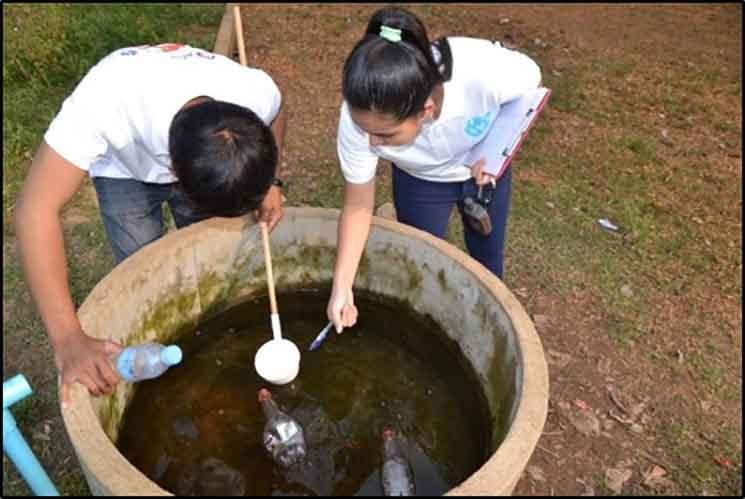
149	124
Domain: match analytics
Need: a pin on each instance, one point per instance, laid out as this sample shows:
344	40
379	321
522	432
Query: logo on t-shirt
478	125
172	48
169	47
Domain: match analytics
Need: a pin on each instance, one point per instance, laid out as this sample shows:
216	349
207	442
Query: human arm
51	183
270	210
354	227
358	166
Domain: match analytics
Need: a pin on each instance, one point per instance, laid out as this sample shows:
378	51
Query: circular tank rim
497	476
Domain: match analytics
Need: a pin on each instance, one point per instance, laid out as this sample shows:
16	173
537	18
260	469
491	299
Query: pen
321	336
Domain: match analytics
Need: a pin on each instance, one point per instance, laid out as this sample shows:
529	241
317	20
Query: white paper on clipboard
508	130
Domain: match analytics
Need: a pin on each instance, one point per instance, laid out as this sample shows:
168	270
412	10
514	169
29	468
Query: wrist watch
278	182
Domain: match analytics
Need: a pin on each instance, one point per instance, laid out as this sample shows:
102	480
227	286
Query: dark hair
394	78
224	157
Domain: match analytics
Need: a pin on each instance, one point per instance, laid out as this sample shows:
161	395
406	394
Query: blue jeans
427	206
132	212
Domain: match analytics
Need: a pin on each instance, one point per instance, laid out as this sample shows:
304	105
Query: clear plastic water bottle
397	475
146	361
283	436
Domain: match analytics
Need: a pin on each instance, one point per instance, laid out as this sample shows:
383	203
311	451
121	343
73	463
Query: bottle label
286	430
125	364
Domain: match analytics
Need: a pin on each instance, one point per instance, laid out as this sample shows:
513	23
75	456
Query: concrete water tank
172	284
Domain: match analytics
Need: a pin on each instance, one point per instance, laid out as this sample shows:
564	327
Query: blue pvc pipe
14	445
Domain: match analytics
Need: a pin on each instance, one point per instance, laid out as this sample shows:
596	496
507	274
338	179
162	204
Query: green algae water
197	429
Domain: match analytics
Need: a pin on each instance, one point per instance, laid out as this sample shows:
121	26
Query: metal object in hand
475	210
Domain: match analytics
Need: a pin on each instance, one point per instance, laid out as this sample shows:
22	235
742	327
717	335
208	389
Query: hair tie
390	34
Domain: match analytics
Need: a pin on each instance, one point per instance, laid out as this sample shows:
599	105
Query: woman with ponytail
422	106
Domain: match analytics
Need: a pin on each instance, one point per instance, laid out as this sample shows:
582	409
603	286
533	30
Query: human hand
482	178
86	360
270	210
341	310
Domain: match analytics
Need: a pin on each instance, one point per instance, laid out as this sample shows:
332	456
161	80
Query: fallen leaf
536	473
655	472
615	479
585	422
723	462
655	479
589	490
582	405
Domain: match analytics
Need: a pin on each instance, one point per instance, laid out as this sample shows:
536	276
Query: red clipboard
524	133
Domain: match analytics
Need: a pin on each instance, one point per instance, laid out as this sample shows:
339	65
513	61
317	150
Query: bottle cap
388	433
264	395
171	355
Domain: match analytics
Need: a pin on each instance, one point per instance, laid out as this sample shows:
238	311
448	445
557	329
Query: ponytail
394	68
444	58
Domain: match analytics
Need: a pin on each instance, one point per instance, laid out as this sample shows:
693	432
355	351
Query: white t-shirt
116	121
485	75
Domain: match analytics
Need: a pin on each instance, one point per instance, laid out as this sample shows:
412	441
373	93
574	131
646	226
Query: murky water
197	429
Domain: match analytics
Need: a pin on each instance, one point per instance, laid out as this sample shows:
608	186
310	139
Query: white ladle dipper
278	360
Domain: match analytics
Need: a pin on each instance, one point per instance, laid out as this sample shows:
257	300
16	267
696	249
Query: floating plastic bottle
283	436
146	361
397	475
